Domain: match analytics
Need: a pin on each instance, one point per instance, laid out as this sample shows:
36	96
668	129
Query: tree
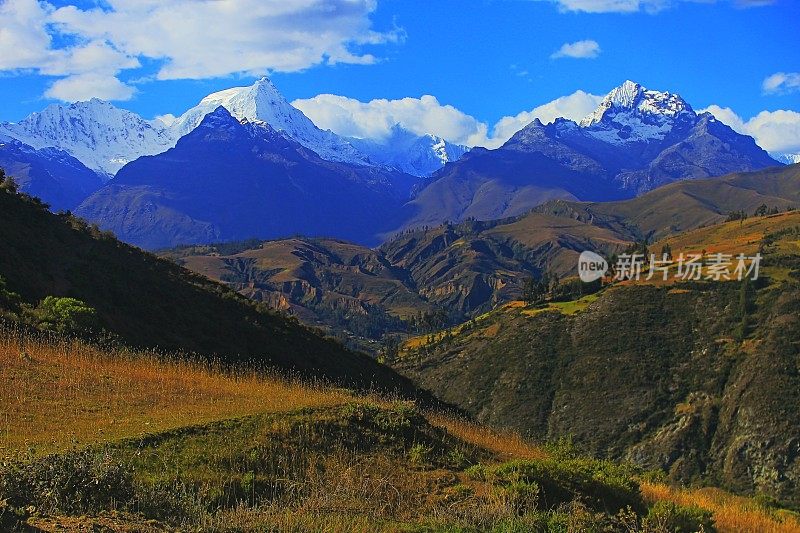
666	251
534	291
745	308
7	183
65	315
741	216
390	348
761	211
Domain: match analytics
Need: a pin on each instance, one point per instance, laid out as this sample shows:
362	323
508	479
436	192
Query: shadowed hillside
150	302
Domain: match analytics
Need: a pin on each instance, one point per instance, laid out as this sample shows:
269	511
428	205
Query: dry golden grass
732	514
505	444
55	395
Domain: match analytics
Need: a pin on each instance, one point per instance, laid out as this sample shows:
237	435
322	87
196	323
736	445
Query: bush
603	485
520	497
669	516
72	483
9	301
65	315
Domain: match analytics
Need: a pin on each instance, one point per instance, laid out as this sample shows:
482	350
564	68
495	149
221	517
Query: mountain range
469	268
229	179
636	140
156	188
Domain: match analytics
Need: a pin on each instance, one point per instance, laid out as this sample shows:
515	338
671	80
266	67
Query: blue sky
488	59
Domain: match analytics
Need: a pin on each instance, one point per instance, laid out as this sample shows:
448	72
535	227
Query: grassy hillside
155	445
697	378
153	303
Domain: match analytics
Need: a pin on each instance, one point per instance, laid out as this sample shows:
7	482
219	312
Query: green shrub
70	483
419	454
520	497
669	516
173	502
476	472
65	315
603	485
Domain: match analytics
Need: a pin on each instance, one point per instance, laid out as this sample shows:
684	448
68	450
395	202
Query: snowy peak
264	103
260	101
632	98
100	135
786	158
633	114
418	155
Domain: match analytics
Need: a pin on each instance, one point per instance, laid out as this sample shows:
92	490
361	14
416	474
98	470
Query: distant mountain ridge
636	140
263	102
105	138
101	136
469	268
418	155
48	173
229	179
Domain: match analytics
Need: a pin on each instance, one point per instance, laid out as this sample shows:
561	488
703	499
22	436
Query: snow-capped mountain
418	155
105	138
636	140
631	113
263	102
98	134
788	159
231	179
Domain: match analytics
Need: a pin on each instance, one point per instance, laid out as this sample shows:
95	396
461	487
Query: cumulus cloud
782	82
374	119
774	131
186	39
208	38
586	49
90	85
573	107
167	119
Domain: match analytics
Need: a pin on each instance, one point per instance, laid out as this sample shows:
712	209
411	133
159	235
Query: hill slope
151	302
688	204
696	378
176	446
466	269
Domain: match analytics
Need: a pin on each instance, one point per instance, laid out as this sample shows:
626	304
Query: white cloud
90	85
24	42
210	38
185	38
774	131
612	6
375	119
573	107
782	82
166	120
586	49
